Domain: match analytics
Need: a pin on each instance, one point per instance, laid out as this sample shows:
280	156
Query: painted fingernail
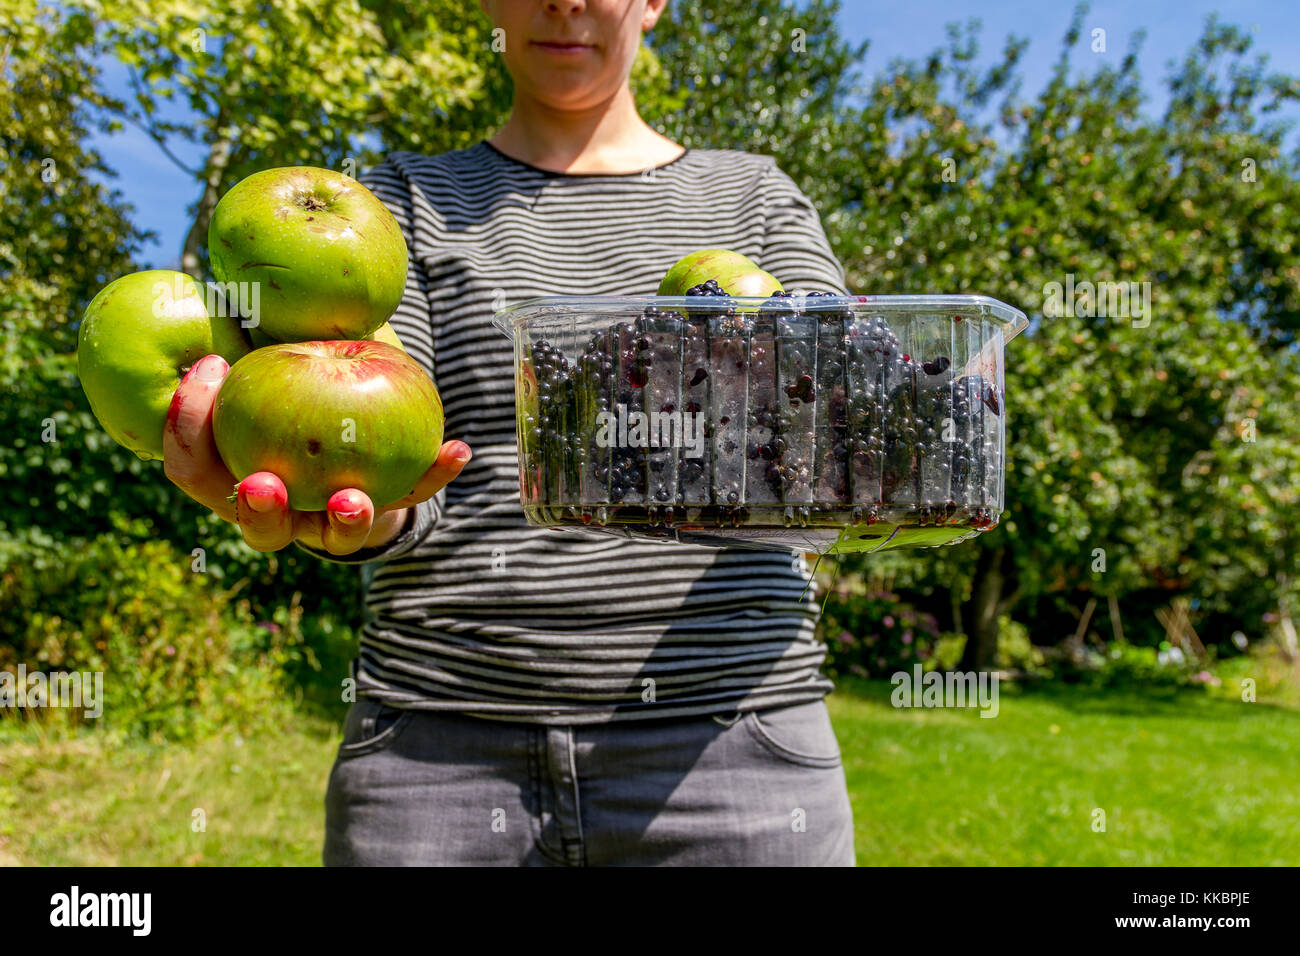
211	368
260	503
348	517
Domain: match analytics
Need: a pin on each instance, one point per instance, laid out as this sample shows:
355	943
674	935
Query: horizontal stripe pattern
473	610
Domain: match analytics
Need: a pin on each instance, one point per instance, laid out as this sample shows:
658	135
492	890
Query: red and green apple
329	415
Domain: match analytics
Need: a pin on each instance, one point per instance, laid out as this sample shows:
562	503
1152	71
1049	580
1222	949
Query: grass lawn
1184	780
78	802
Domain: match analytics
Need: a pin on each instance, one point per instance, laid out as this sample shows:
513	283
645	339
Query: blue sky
1172	26
161	193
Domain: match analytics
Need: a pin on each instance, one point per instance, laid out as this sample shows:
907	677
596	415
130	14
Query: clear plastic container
822	423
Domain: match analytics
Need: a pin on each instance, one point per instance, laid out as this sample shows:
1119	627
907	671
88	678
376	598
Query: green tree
1123	437
309	83
1127	440
64	235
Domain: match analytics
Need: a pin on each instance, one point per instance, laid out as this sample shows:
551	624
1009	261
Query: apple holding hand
260	506
735	274
327	256
331	405
138	337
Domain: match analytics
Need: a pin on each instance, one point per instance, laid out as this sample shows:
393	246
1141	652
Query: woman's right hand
261	508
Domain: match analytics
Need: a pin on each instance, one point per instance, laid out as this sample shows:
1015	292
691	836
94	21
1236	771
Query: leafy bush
1265	673
309	651
871	633
179	656
1016	651
1125	665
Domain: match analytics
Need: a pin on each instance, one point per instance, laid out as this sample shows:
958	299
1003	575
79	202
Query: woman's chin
569	91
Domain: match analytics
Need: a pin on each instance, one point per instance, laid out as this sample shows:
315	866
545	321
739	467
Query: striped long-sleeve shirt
472	609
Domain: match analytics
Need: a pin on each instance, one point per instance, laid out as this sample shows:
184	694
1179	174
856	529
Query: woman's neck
610	137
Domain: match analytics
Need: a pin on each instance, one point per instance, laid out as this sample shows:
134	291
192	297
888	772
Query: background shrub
180	656
872	633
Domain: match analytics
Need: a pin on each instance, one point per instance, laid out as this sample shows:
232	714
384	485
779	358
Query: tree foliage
1153	453
266	85
1150	456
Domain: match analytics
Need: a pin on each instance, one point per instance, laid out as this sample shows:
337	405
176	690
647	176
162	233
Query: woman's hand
261	509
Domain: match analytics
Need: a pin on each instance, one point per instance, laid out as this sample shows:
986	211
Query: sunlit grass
226	800
1182	780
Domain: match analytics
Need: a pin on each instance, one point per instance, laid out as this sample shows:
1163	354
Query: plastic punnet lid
510	319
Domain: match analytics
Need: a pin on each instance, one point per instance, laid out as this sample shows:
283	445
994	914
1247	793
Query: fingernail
211	368
463	456
260	503
348	517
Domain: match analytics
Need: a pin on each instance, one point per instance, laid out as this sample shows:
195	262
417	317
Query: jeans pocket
801	734
371	725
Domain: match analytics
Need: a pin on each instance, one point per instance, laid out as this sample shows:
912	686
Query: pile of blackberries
821	406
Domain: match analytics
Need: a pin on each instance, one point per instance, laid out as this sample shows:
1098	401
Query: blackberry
755	381
548	361
553	424
900	473
660	349
975	465
708	287
989	396
801	390
595	386
879	399
830	417
876	336
789	413
940	448
720	344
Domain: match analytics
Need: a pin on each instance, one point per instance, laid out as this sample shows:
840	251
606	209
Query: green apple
327	257
138	337
329	415
736	274
260	339
384	333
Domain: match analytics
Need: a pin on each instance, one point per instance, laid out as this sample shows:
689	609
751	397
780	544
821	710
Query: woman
529	696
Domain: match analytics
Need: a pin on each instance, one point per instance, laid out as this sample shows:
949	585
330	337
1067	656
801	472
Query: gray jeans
421	788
